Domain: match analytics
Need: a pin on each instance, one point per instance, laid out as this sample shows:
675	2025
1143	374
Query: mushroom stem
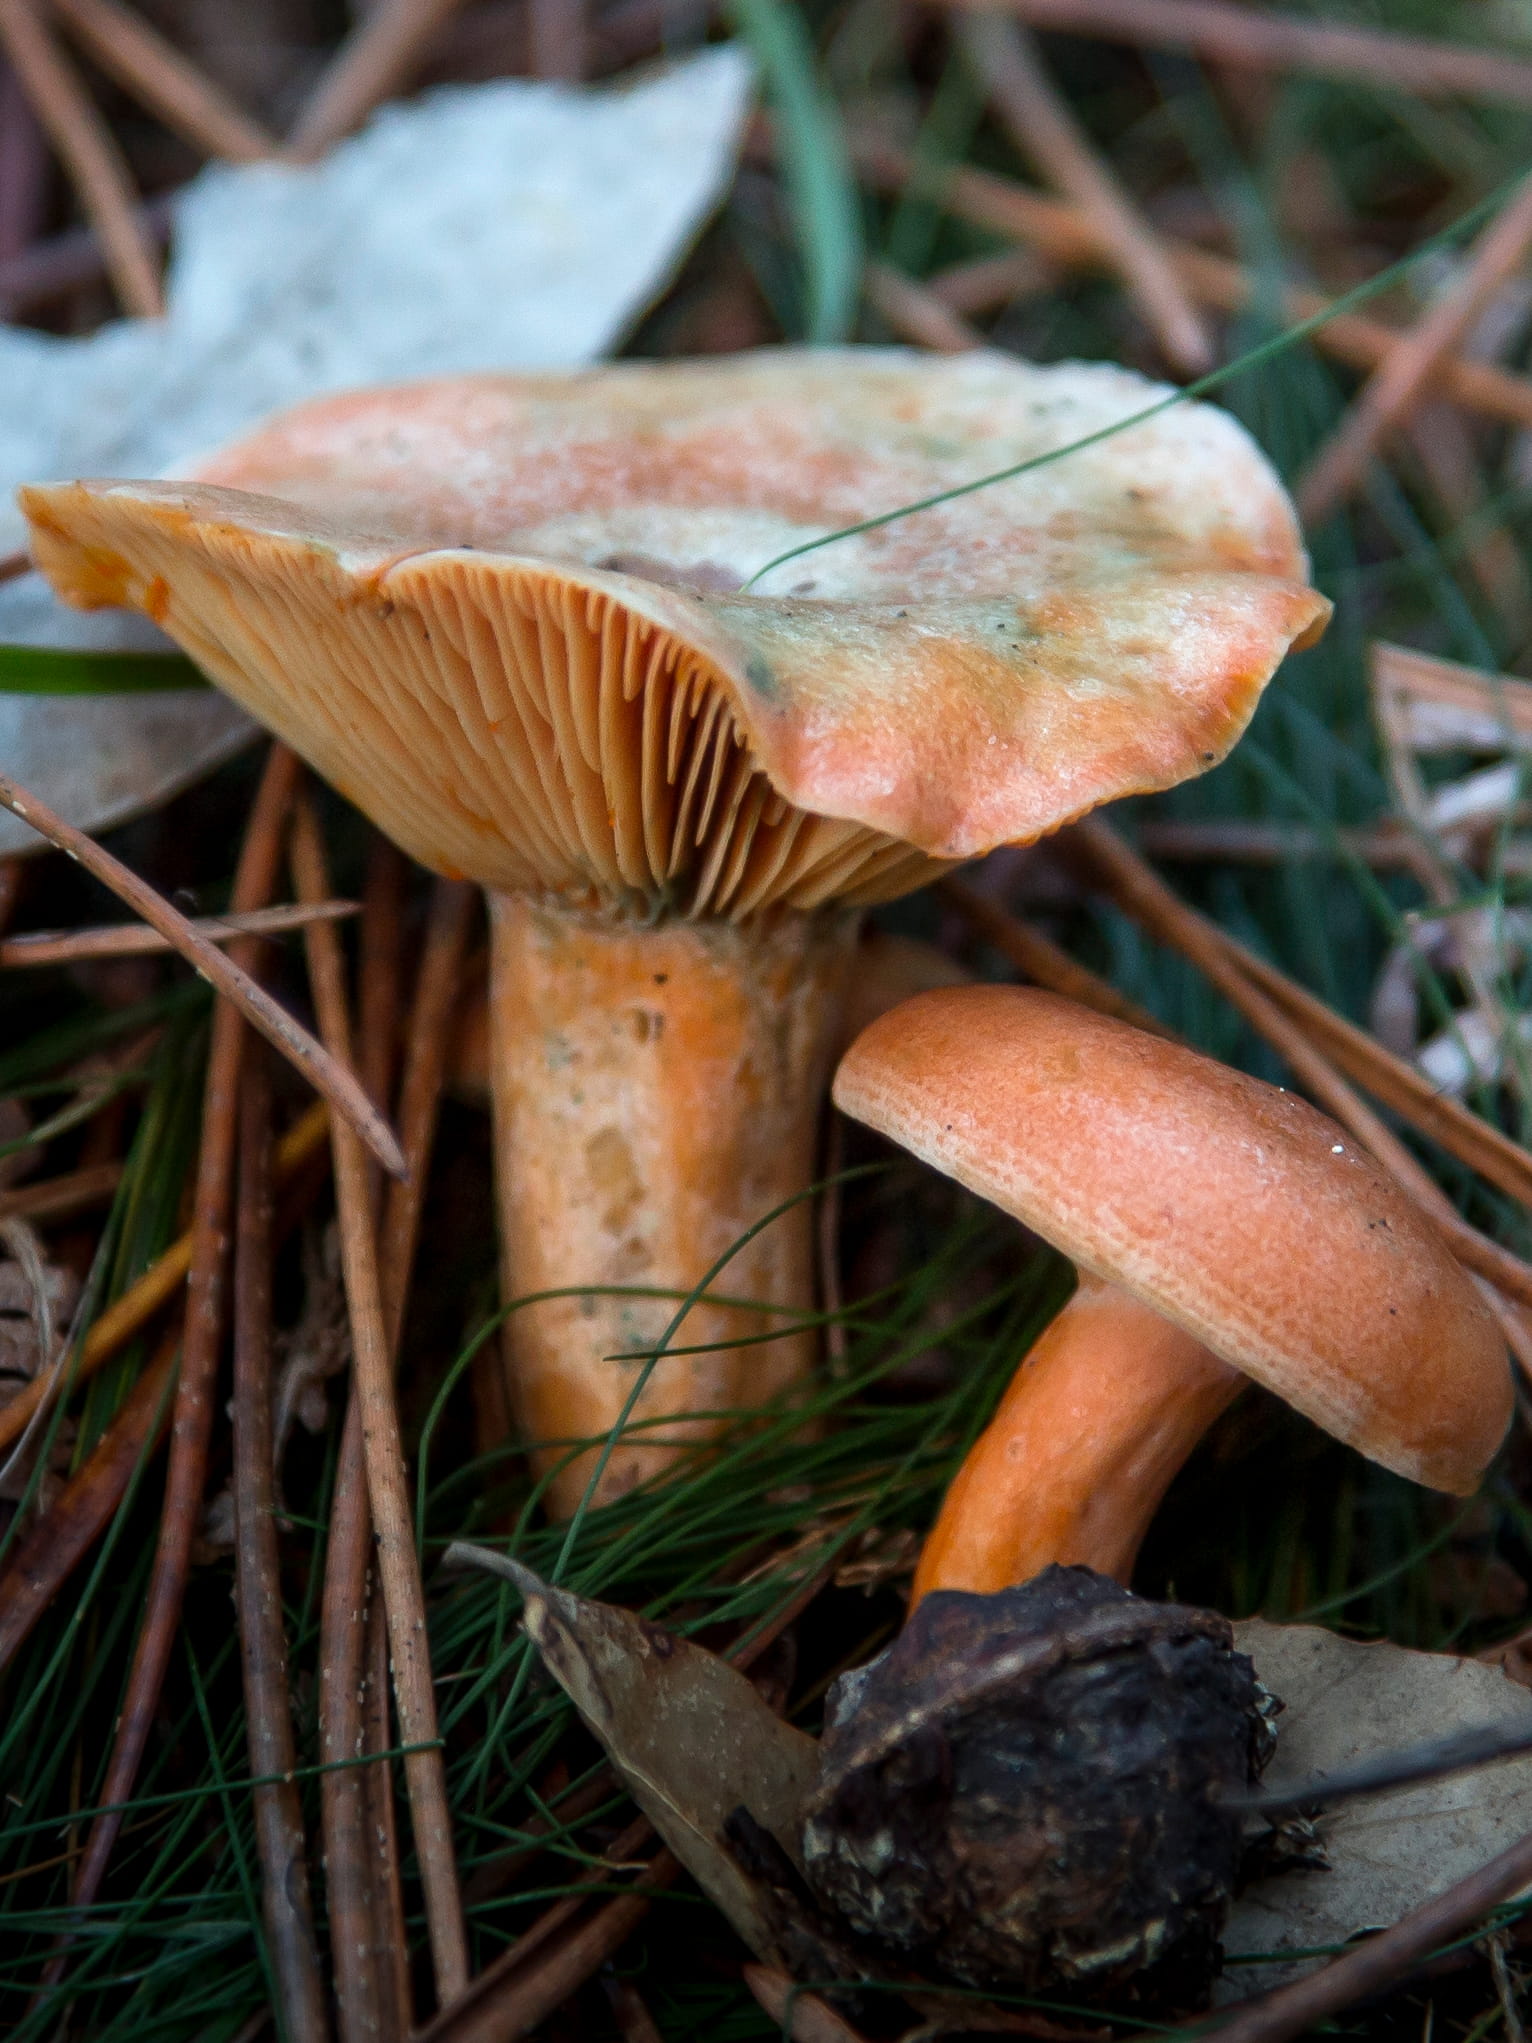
1105	1408
656	1093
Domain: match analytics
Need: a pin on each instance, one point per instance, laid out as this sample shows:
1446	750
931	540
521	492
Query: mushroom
537	627
1223	1230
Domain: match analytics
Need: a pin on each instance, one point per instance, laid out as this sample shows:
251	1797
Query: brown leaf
690	1736
1390	1851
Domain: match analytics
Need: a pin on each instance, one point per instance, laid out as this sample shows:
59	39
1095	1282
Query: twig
89	152
349	1850
1043	961
375	60
521	1989
381	968
206	1264
1339	467
53	267
1044	129
362	1968
20	562
556	39
1385	848
154	1289
378	1002
279	1839
917	314
160	78
1254	39
1140	891
59	1198
23	168
1398	1085
1380	1962
1065	235
77	1517
429	1046
136	940
387	1483
323	1071
638	2025
989	282
803	2016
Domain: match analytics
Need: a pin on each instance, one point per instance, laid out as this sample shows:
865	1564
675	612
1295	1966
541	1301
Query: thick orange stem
1102	1413
657	1092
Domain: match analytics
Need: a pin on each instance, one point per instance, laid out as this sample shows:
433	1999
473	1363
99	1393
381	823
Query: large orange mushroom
1224	1231
522	622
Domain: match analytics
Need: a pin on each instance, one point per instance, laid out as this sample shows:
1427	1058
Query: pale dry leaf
690	1736
511	225
1388	1852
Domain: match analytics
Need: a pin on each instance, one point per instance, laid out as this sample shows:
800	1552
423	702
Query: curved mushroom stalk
656	1095
1248	1235
1106	1407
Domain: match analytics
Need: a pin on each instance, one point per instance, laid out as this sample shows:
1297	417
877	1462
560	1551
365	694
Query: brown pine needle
206	1266
83	1509
154	1289
989	282
377	58
803	2016
163	80
362	1893
1043	127
61	1198
916	313
556	39
1415	362
1065	236
280	1844
1252	38
137	940
1141	893
527	1983
324	1072
1372	1966
1044	961
1386	848
1398	1085
383	1450
88	151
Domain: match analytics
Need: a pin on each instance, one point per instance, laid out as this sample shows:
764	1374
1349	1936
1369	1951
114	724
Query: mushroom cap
506	614
1227	1205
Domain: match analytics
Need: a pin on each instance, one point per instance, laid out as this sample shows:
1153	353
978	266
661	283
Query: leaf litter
696	1744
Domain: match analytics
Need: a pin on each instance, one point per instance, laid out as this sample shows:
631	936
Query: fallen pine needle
387	1484
154	1289
324	1072
138	940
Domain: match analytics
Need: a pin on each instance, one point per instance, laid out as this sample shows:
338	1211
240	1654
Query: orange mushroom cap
507	615
1232	1208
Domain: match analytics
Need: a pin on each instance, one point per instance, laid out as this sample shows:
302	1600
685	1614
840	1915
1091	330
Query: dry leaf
1348	1702
690	1736
510	225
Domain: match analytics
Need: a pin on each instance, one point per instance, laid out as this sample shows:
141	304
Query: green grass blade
49	670
821	190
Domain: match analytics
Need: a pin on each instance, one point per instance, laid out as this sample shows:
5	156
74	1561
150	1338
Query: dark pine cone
1021	1792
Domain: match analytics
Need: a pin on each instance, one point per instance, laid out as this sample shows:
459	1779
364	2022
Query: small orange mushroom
1223	1229
529	625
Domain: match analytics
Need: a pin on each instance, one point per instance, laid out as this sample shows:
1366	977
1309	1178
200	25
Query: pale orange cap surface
506	615
1229	1206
